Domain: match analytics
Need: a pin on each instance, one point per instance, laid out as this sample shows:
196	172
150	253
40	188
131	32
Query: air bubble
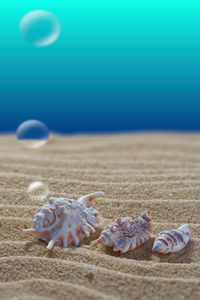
38	191
32	134
40	28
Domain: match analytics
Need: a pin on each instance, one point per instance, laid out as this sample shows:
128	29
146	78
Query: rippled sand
159	173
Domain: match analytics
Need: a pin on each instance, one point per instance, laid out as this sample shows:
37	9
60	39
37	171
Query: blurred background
117	66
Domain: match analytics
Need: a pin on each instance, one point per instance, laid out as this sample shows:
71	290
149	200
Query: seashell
172	240
65	222
125	234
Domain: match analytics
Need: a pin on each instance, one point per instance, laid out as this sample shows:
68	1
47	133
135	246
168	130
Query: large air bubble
32	134
40	28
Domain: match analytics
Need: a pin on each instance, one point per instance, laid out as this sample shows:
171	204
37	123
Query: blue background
117	66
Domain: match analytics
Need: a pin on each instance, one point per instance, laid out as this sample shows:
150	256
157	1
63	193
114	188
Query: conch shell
65	222
125	234
173	240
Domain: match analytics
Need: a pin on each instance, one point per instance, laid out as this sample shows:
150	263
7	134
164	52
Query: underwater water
115	66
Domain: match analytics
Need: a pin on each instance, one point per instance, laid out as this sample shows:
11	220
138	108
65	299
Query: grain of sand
159	173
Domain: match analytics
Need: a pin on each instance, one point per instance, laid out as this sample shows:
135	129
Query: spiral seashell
173	240
65	222
125	234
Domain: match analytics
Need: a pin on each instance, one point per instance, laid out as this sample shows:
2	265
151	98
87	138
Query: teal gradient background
117	66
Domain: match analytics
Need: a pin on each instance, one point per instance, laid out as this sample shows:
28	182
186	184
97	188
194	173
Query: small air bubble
38	191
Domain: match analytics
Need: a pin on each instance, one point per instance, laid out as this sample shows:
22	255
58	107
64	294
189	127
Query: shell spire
125	234
65	222
172	240
87	199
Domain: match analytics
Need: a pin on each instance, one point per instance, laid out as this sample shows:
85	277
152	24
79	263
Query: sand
159	173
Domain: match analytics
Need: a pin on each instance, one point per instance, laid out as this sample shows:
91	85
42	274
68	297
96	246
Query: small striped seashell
125	234
172	240
65	222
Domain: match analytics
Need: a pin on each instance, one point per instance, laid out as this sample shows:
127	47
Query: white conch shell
125	234
172	240
64	221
